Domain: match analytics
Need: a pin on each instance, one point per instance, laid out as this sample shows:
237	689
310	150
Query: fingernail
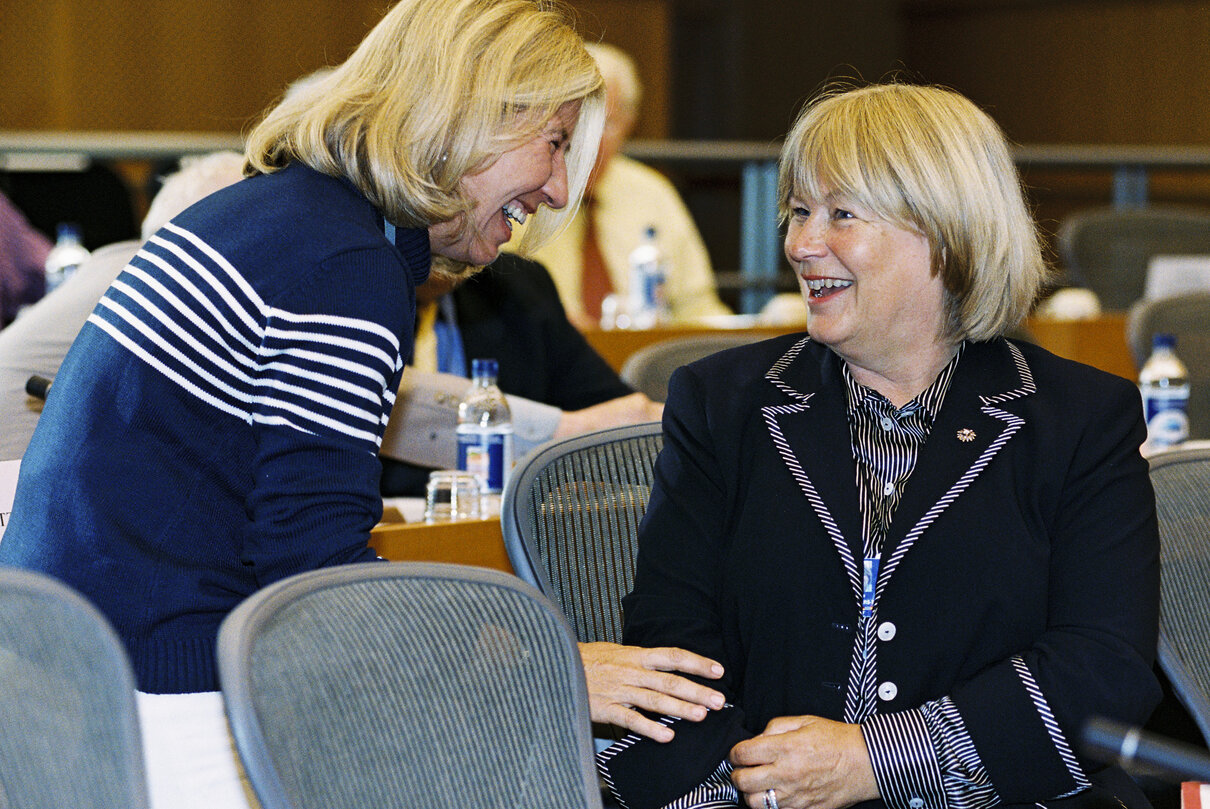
717	701
716	669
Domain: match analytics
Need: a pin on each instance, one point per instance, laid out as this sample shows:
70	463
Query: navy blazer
1020	575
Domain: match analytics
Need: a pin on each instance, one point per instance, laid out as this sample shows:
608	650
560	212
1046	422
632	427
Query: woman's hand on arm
623	679
809	761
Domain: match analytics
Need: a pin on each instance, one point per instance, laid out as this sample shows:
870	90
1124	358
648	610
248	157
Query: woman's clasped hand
807	761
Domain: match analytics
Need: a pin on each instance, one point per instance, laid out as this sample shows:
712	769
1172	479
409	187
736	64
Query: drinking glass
453	495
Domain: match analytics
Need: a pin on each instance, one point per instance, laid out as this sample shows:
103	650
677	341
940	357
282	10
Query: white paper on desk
412	508
1176	275
8	490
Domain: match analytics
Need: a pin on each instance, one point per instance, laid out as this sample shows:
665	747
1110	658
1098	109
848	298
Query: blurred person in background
556	384
23	252
37	342
589	259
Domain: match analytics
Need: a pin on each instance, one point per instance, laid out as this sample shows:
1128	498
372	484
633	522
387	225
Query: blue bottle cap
484	367
67	230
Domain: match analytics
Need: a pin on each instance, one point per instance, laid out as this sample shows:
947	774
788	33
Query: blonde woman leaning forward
214	427
926	554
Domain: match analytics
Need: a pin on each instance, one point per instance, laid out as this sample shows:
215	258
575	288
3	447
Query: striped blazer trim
861	698
621	745
1057	737
852	570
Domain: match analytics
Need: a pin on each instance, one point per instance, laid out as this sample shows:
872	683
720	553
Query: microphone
1136	749
37	386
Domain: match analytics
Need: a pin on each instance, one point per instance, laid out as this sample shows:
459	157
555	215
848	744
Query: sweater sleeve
329	366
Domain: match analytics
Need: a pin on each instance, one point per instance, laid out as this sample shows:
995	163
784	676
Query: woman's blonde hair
438	90
927	159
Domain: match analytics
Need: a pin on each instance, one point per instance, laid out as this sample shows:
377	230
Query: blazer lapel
975	422
811	434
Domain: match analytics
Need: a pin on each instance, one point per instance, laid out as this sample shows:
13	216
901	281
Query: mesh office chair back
1181	478
649	369
70	729
570	518
1108	249
407	684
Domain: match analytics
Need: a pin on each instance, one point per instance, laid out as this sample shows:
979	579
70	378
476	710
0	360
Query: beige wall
163	64
1113	71
644	29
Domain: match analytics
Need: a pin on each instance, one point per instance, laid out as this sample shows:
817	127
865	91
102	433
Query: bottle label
647	296
653	288
488	455
1167	422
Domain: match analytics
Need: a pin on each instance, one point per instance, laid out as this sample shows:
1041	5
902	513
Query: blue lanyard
869	582
451	354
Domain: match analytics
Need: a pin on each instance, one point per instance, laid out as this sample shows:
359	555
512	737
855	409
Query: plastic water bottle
485	429
1164	383
65	257
647	303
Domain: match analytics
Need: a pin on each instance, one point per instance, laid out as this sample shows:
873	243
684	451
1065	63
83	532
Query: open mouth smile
514	213
823	287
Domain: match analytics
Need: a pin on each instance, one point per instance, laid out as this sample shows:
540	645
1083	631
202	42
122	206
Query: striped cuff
717	792
905	763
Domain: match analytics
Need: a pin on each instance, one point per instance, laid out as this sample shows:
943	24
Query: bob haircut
927	159
438	90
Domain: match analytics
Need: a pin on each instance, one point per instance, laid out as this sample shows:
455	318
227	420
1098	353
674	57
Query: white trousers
189	753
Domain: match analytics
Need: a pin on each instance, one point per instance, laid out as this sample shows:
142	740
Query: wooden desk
472	542
1100	342
616	345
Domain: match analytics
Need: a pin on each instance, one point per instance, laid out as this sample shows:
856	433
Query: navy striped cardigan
215	426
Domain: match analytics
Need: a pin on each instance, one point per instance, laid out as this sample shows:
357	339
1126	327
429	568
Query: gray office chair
1181	478
1188	318
570	517
69	728
649	369
1107	249
407	684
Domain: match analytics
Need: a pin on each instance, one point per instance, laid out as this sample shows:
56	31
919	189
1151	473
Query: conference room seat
70	735
1107	249
407	684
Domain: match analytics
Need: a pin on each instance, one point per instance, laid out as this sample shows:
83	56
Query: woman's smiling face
868	283
508	191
